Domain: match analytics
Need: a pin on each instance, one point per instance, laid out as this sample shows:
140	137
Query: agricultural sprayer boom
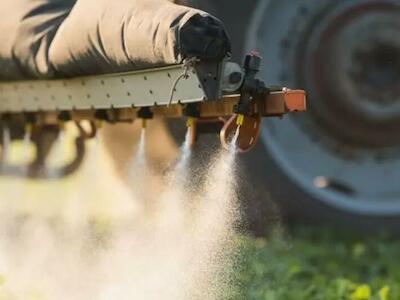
220	92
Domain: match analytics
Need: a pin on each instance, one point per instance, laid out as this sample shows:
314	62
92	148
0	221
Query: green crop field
310	263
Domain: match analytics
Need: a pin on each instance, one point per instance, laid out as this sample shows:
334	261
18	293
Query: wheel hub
351	68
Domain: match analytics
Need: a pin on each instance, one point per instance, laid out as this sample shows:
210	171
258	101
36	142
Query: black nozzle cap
242	108
5	117
145	113
192	110
64	116
30	117
253	61
101	114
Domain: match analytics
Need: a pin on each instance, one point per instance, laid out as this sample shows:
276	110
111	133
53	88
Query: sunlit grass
315	263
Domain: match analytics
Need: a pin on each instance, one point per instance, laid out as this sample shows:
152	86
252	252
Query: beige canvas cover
66	38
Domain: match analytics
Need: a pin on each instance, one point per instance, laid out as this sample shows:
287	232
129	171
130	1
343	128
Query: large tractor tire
339	162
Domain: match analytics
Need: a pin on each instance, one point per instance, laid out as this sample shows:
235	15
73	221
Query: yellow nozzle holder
62	125
240	120
28	127
144	123
190	122
98	124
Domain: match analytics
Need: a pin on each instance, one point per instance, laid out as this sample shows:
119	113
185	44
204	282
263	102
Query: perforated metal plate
138	89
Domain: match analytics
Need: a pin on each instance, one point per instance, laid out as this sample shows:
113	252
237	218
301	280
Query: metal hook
248	135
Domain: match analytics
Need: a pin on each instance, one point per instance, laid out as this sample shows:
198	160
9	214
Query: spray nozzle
240	120
144	123
190	122
28	127
192	110
145	113
98	124
62	125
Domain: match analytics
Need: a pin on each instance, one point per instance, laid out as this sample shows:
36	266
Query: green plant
314	263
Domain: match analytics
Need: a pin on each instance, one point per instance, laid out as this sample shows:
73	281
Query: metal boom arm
202	91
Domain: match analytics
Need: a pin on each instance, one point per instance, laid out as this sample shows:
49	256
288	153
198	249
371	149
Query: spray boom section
223	93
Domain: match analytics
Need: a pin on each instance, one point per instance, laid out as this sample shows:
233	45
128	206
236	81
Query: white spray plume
91	237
